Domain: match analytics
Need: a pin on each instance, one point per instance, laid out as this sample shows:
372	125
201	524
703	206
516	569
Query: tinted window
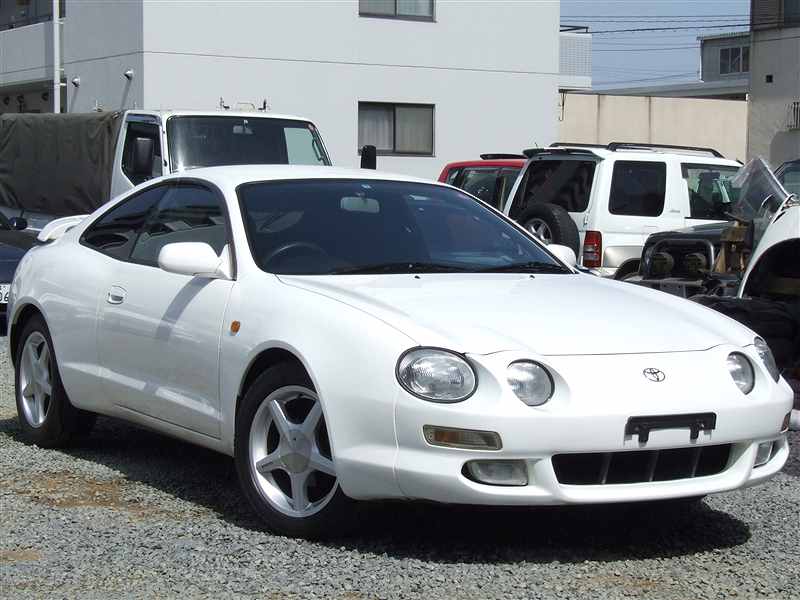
567	183
479	181
452	174
638	188
340	226
141	130
218	141
115	232
186	213
708	195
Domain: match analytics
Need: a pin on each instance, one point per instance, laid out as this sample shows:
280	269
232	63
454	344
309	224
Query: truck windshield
212	141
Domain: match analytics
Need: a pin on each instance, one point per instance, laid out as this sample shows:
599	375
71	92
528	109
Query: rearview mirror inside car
360	204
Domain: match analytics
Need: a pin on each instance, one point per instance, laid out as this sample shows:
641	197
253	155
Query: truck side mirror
369	157
143	152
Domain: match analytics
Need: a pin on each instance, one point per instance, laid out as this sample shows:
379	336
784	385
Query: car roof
233	176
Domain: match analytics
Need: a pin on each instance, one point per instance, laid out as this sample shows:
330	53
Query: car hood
546	314
707	231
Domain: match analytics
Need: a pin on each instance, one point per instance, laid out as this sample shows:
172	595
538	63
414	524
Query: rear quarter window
638	188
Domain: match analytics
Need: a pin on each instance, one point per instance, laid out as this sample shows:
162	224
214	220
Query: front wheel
46	416
284	459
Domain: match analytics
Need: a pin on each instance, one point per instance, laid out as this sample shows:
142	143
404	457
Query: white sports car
350	335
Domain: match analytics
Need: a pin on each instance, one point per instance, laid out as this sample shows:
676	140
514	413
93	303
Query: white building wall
490	68
774	52
101	41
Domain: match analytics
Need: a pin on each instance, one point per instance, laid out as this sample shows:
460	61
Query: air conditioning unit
793	116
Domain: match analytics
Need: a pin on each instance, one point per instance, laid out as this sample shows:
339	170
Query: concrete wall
102	40
601	119
490	68
775	53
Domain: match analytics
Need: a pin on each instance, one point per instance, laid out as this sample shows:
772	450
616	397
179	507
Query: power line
645	80
646	29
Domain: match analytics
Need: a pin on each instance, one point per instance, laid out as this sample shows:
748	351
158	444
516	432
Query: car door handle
116	295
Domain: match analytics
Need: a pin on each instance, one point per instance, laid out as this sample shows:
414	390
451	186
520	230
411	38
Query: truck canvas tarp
57	164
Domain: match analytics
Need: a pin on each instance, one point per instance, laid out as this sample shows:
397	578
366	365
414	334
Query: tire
550	218
46	416
281	415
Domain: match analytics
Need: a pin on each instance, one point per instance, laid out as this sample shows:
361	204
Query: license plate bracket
694	422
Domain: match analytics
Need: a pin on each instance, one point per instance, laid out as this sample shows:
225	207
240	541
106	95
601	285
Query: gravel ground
128	513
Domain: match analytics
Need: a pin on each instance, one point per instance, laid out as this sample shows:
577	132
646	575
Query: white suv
603	201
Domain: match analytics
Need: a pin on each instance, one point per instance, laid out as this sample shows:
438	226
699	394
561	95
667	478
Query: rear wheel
284	458
46	416
552	224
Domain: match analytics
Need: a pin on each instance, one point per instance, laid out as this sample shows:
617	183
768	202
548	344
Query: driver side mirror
144	150
564	253
195	259
18	223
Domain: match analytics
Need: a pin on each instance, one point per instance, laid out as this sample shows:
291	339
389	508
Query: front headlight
438	375
530	381
767	358
741	371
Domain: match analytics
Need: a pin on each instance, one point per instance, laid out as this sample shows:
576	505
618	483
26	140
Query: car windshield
335	226
204	141
757	196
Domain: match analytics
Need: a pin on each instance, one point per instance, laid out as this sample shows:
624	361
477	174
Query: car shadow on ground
421	531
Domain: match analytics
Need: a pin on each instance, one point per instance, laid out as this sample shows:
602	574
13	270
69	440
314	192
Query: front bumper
584	417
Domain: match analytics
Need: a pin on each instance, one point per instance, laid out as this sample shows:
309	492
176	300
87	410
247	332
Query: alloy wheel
540	229
290	456
35	379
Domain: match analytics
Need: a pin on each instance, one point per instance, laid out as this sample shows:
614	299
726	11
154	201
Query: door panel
159	344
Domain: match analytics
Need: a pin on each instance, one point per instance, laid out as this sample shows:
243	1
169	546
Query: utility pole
56	56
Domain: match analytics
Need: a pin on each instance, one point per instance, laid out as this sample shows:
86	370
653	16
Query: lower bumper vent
639	466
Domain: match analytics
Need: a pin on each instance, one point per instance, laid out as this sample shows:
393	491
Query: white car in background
351	335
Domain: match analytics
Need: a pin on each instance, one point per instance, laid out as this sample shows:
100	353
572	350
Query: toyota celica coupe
351	335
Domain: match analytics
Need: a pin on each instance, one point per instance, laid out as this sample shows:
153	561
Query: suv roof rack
531	152
500	156
562	144
614	146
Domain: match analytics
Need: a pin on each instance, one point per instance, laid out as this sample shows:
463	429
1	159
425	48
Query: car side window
115	232
480	182
141	130
186	213
451	175
790	179
638	188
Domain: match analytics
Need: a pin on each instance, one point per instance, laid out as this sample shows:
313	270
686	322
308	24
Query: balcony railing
793	116
35	11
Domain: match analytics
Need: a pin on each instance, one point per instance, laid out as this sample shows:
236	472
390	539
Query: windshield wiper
534	266
399	267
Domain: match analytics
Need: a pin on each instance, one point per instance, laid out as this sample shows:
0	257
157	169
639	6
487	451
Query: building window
791	12
396	128
417	10
734	60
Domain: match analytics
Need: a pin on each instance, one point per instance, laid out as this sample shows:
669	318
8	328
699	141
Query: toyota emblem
656	375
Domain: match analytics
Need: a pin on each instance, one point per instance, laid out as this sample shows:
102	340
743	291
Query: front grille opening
638	466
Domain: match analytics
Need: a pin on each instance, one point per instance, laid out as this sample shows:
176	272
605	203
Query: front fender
350	357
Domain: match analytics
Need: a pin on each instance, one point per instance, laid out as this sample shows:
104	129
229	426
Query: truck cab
155	143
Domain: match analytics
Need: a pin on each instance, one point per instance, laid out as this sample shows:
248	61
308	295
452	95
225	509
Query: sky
634	59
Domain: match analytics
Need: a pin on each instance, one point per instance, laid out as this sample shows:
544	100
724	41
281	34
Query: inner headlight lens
741	371
767	358
530	381
437	375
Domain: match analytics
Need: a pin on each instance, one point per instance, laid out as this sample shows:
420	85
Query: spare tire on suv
552	224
